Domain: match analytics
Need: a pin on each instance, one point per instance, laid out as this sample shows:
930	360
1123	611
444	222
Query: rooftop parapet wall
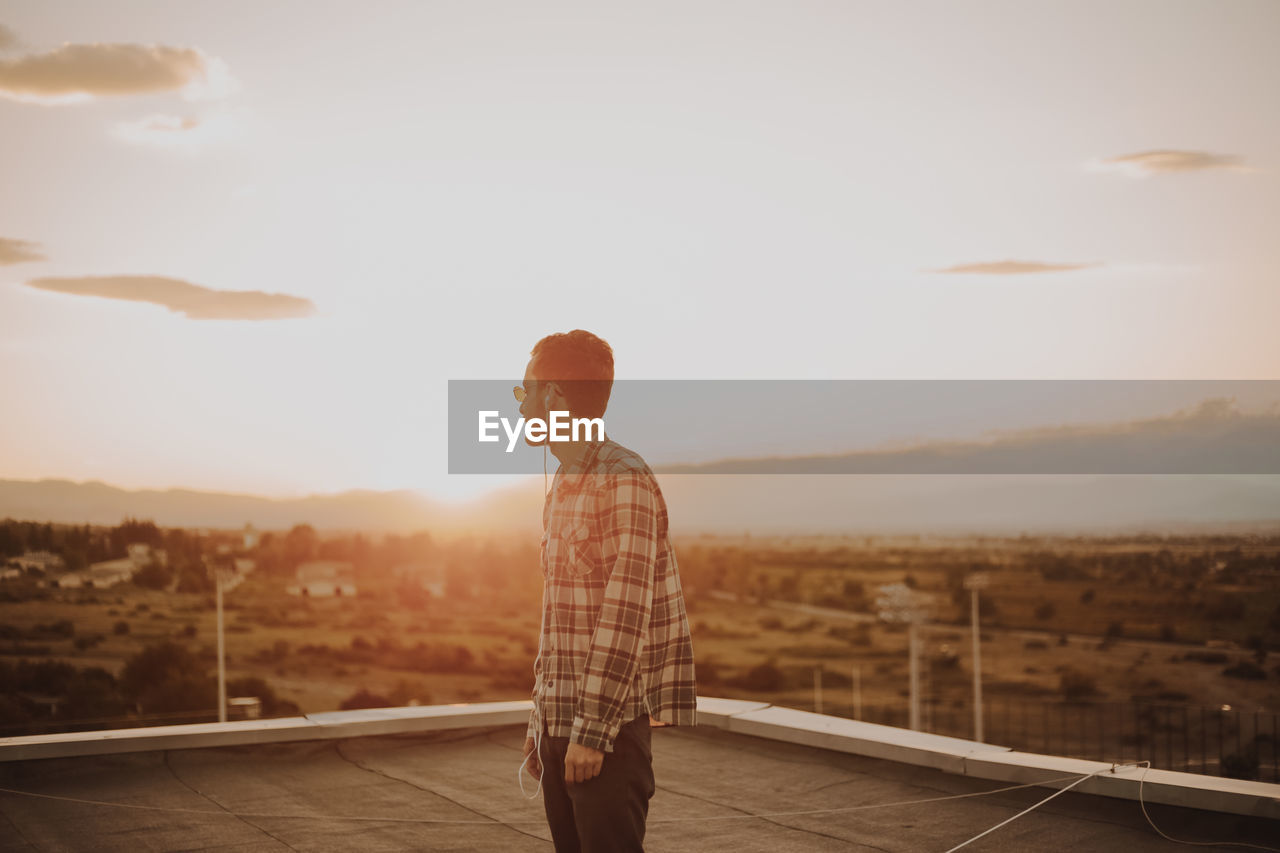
758	719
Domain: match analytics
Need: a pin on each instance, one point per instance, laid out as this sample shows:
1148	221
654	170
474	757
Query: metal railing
1216	741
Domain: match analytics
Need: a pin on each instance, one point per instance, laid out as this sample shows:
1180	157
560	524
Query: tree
167	677
362	698
1076	685
300	545
152	576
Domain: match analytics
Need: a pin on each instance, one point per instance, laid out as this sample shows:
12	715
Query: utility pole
913	654
222	656
973	583
899	603
221	568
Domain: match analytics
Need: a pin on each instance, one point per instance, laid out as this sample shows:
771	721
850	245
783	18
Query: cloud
1014	267
192	300
1161	162
8	38
175	132
19	251
79	72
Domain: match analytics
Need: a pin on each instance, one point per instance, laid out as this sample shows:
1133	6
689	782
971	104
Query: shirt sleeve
630	521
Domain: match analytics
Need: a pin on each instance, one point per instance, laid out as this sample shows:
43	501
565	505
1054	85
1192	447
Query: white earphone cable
537	732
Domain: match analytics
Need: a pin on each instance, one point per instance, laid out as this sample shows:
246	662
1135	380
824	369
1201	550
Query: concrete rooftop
709	778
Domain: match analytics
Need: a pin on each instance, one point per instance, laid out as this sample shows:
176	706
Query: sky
244	246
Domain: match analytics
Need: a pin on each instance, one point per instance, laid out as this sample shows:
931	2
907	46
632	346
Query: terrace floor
710	782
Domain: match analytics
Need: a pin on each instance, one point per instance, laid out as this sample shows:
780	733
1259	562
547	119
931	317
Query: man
615	648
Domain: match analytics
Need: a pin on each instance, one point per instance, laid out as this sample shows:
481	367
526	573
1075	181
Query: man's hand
582	763
531	752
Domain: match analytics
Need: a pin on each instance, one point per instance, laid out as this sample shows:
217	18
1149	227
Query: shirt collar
568	478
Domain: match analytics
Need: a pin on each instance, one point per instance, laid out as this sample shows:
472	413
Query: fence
1218	741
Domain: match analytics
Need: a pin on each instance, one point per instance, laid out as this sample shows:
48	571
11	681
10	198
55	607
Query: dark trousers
607	812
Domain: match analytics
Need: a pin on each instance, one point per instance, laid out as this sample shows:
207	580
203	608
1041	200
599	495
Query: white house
45	561
324	579
71	580
108	573
143	554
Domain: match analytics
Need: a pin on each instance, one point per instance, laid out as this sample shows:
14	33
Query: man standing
615	648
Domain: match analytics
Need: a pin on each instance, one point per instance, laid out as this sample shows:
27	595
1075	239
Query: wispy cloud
8	38
175	132
1014	267
80	72
1162	162
191	300
19	251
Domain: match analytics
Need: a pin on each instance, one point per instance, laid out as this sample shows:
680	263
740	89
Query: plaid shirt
615	635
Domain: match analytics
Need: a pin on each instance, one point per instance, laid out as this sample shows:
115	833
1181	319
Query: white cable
1146	765
537	732
537	750
1057	793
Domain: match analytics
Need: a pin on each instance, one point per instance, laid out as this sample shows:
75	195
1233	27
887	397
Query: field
1066	623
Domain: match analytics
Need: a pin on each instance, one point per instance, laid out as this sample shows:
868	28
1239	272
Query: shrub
1206	657
167	677
1247	670
1046	611
152	576
363	698
120	628
766	677
1076	685
1241	765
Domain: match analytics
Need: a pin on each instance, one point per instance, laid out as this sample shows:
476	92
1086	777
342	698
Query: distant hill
780	503
99	503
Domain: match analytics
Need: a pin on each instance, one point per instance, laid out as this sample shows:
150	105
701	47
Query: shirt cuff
594	733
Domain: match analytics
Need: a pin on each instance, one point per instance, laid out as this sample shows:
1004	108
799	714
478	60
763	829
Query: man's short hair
582	365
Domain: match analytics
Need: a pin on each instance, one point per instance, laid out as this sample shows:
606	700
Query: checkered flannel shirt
615	638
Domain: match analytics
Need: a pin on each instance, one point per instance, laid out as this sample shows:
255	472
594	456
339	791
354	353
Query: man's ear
552	390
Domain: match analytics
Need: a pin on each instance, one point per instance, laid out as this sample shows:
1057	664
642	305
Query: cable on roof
1030	809
1146	766
1166	836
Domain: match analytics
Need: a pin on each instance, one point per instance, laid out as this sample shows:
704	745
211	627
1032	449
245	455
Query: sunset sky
244	245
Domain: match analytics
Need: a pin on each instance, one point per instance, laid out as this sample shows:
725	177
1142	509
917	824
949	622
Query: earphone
537	732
